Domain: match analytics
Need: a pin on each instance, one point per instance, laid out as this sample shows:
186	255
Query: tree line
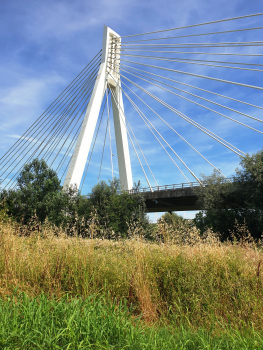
39	193
226	203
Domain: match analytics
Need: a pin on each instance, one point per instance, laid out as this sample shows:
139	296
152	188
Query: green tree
117	209
173	219
38	187
39	192
228	203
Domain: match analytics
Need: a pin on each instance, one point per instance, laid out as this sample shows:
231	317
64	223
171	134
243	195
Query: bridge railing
171	187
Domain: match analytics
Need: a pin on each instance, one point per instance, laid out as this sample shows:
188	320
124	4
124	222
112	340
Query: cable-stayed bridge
184	93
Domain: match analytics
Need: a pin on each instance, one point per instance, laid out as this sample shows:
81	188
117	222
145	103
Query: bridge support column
124	162
82	148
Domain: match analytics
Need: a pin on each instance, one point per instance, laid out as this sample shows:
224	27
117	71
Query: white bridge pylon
111	41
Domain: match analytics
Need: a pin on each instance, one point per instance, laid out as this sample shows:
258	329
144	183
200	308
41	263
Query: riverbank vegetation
186	283
228	203
39	194
80	272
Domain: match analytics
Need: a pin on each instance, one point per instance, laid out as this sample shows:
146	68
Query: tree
172	219
39	192
117	209
229	203
38	187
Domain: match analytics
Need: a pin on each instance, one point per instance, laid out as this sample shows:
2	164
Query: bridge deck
176	197
179	197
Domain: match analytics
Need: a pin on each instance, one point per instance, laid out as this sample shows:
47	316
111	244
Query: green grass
191	292
200	282
95	323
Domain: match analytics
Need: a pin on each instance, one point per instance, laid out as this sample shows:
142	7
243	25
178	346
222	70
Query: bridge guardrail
170	187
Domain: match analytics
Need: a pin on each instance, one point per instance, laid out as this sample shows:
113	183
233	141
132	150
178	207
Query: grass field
71	293
97	323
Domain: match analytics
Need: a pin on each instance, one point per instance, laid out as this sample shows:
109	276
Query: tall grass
187	281
95	323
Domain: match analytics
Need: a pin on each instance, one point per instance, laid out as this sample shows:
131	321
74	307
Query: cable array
53	135
190	75
181	85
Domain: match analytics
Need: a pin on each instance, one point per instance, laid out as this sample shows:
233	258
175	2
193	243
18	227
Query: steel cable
25	163
192	35
89	86
21	147
137	143
29	150
198	75
196	25
189	85
93	145
46	111
176	59
197	125
194	52
218	104
173	130
185	61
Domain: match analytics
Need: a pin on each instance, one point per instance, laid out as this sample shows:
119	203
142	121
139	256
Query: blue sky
45	44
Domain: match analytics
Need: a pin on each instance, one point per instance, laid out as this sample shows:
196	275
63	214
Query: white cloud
22	103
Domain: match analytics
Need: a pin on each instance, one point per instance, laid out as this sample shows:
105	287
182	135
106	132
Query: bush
40	195
229	203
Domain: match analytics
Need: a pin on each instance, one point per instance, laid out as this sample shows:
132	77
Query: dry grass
193	280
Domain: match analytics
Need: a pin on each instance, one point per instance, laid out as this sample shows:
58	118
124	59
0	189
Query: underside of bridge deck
179	199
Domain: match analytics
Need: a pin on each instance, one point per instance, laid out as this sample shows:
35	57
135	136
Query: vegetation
39	194
96	323
188	280
67	284
172	219
228	204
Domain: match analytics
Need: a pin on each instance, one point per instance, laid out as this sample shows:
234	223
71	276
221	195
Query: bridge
176	197
167	90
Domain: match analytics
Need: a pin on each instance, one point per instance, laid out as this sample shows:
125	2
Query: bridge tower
111	43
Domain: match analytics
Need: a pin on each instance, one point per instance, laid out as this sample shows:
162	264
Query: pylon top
111	54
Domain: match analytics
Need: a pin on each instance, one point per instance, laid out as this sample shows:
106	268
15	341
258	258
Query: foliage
173	228
112	210
117	210
196	281
38	188
40	195
227	204
97	323
172	219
